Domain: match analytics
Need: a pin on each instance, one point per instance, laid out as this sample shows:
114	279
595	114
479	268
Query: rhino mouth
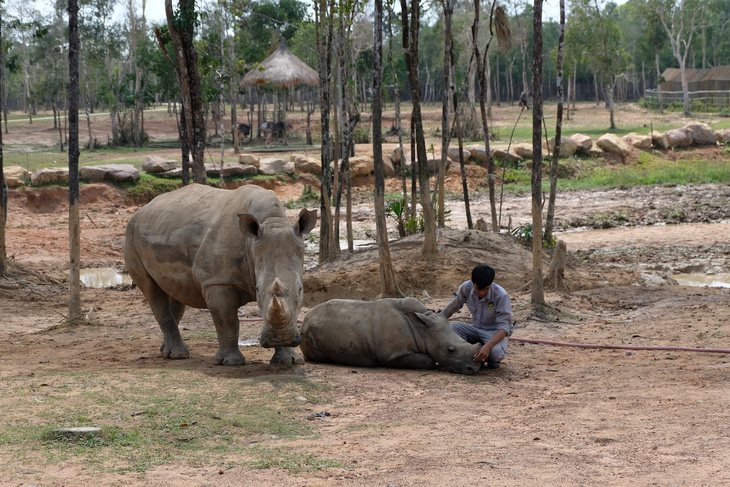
268	341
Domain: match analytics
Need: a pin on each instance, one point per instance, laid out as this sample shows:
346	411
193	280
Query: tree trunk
448	8
537	297
181	28
658	85
3	184
410	44
324	62
558	131
74	225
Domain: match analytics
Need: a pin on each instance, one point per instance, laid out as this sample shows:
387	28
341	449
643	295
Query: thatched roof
282	68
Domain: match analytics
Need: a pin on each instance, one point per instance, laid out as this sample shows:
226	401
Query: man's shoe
493	365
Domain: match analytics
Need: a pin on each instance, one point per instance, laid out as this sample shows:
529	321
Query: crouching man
491	316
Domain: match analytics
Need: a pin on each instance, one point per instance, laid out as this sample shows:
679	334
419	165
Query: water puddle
103	278
703	280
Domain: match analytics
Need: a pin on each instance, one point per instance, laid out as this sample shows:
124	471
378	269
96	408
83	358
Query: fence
716	99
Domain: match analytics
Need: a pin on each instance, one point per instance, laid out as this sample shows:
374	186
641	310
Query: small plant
309	197
524	233
396	210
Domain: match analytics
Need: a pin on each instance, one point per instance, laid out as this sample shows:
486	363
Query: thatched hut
710	86
283	70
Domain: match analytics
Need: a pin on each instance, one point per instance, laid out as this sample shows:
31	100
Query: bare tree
678	19
448	8
388	286
182	33
323	11
411	26
558	130
3	183
537	297
74	224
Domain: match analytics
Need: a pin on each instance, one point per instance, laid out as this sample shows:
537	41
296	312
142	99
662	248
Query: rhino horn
277	311
278	288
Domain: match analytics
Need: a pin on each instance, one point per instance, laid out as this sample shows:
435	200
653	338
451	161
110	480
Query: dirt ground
549	416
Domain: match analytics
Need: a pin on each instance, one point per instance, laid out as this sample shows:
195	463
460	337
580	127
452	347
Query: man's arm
454	306
483	353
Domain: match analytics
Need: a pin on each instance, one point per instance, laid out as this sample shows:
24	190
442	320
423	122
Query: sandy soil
549	416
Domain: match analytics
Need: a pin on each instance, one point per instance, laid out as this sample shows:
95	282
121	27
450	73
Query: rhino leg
286	356
168	313
222	302
413	361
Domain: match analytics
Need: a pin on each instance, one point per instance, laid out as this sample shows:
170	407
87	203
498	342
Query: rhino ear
429	319
306	222
249	225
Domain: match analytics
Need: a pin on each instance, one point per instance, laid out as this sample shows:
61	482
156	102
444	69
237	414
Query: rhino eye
452	349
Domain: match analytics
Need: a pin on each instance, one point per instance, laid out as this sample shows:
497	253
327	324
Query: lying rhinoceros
398	333
220	249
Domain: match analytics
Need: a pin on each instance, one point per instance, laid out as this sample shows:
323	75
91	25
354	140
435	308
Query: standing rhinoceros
220	249
398	333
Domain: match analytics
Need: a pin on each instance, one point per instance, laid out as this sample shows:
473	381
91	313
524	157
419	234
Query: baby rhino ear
429	319
306	221
249	225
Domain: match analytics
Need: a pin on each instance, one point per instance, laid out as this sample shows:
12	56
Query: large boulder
702	134
388	168
276	165
309	165
54	175
613	144
15	176
567	146
361	166
109	172
453	153
158	164
639	141
723	136
396	156
433	161
506	156
679	137
583	142
659	139
524	150
595	151
478	153
248	160
238	170
471	170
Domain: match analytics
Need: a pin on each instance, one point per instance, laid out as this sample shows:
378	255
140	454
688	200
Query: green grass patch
151	419
292	461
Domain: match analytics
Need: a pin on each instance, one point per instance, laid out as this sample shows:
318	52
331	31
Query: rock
15	176
659	140
304	164
56	175
639	141
614	144
482	225
433	161
396	156
477	153
583	142
472	170
388	168
453	153
158	164
248	159
679	137
276	165
502	155
723	136
239	170
109	172
361	166
702	134
524	150
567	146
595	151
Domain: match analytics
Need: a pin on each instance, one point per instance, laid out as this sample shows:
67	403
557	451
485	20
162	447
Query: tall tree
323	10
558	131
411	19
181	25
388	285
537	297
74	224
678	17
446	89
3	184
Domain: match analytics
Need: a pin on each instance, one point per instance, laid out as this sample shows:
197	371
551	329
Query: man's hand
483	353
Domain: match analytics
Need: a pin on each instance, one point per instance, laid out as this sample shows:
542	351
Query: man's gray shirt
492	312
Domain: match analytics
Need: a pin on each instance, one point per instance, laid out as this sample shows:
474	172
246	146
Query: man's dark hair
482	276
